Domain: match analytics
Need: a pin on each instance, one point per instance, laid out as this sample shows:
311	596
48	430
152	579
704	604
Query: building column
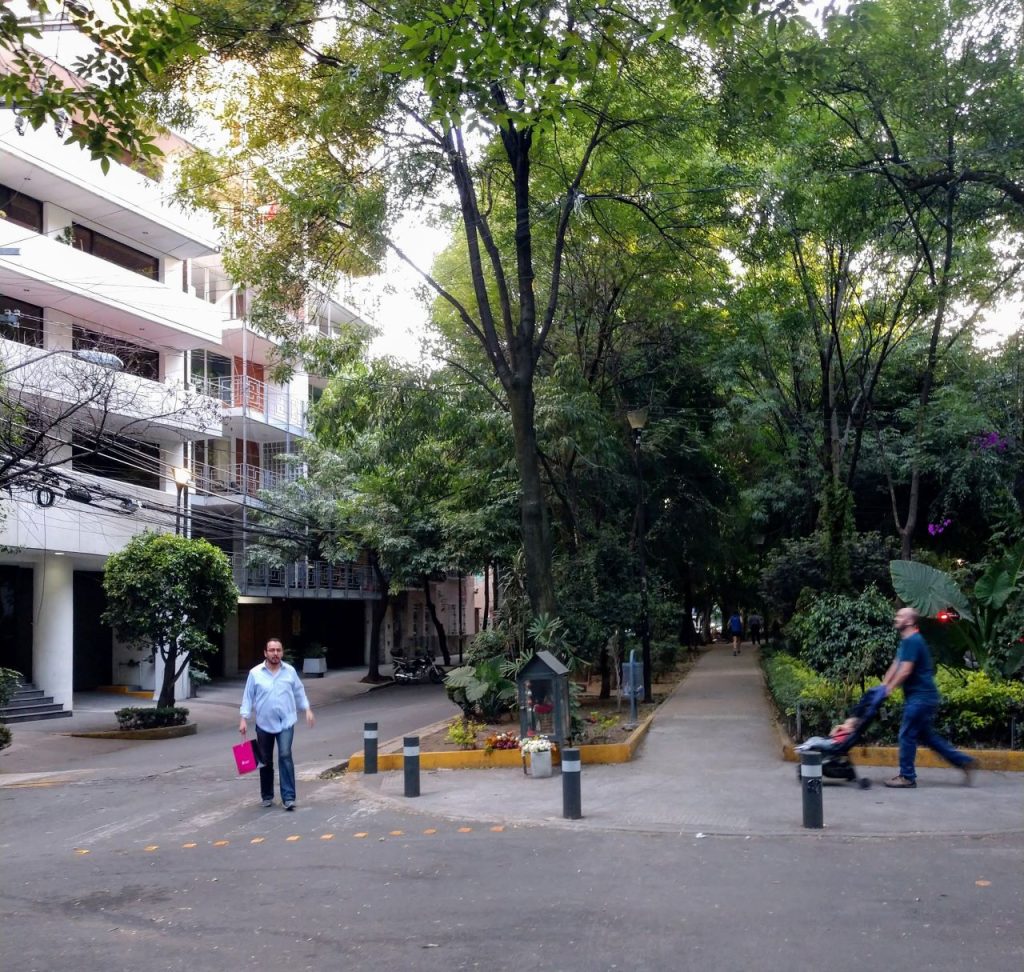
53	636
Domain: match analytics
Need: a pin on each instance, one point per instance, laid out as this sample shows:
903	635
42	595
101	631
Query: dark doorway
93	640
16	619
337	624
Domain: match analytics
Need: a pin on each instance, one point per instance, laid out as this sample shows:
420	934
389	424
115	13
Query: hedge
975	711
135	718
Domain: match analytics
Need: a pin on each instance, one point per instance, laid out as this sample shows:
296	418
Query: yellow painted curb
1003	760
481	759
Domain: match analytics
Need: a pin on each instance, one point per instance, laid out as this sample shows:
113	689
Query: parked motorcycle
419	668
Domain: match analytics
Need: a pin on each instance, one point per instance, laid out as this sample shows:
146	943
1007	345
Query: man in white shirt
274	692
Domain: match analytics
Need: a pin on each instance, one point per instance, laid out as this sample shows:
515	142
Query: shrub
463	732
664	655
846	639
795	686
9	680
5	737
975	711
136	718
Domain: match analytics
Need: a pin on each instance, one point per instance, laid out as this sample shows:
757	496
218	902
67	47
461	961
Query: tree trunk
487	595
442	638
380	609
170	657
540	586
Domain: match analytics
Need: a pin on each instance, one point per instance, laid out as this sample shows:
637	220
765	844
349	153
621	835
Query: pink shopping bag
246	758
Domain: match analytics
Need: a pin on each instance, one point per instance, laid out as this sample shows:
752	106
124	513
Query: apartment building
119	328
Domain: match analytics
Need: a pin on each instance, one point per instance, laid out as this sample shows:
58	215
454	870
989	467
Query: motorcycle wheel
436	676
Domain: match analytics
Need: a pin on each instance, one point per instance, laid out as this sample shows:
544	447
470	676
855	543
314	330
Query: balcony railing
241	477
313	578
264	402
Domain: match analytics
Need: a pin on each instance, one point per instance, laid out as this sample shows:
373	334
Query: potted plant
538	748
314	660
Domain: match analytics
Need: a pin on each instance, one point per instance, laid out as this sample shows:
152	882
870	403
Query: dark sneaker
969	769
901	783
289	804
267	803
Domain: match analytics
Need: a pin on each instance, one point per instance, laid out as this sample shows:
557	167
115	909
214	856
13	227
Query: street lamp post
637	419
181	477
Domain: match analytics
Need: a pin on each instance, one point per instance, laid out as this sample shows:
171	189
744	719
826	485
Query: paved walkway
711	764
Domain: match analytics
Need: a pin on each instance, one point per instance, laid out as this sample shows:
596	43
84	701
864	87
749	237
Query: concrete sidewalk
51	746
712	764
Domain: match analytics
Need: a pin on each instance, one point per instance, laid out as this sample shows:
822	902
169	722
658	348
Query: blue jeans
915	728
285	765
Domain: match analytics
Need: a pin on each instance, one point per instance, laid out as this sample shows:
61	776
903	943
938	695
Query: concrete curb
160	732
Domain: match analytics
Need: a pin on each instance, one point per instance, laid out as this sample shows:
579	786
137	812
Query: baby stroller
835	753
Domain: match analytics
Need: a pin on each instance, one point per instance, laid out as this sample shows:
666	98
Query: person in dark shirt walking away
274	692
914	670
754	622
736	630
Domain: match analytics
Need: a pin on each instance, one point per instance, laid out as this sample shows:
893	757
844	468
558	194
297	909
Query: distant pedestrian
736	630
754	622
913	669
274	693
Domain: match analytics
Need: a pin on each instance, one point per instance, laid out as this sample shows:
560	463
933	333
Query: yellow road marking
152	847
361	835
327	836
430	830
465	830
221	843
190	844
257	840
497	830
80	851
397	833
294	837
983	884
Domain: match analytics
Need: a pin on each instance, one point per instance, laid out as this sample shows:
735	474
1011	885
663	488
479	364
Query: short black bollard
810	777
369	748
572	807
411	765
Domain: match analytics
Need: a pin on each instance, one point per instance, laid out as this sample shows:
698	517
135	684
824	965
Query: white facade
98	265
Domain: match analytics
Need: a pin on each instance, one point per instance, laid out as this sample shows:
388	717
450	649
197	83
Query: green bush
9	680
975	711
664	655
136	718
5	737
845	639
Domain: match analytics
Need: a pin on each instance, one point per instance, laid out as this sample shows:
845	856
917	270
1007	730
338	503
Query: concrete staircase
28	704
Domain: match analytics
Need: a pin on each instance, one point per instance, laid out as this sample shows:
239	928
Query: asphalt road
161	858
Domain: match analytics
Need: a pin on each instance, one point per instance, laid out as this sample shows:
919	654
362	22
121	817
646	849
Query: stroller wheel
864	783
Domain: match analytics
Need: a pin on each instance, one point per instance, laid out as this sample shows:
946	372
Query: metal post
369	748
572	807
633	716
810	777
411	765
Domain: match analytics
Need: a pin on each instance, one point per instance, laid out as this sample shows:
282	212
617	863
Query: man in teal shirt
913	669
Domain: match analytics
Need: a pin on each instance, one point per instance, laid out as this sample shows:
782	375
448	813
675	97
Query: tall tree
407	101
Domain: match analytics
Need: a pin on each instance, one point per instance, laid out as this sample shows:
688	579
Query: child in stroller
835	748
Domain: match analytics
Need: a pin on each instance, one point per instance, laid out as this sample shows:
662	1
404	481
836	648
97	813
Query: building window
114	252
211	374
138	361
127	460
29	327
21	209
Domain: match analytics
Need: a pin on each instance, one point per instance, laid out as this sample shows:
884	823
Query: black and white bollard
572	807
369	748
810	778
411	765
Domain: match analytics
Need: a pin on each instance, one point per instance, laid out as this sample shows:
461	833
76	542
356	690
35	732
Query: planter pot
540	764
314	666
